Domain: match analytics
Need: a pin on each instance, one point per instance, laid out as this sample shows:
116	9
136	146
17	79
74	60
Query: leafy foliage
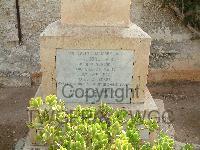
101	128
187	147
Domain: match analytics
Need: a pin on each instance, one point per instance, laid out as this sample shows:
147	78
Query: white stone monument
95	54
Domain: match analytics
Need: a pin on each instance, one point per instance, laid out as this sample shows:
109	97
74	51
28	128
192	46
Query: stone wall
175	50
19	62
174	47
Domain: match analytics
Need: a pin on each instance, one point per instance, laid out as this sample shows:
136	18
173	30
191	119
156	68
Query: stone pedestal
65	37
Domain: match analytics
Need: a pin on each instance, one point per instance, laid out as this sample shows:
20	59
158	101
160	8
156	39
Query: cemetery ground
182	97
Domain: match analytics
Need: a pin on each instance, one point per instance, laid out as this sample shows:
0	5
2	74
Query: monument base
125	49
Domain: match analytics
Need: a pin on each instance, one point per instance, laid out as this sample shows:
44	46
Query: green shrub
90	128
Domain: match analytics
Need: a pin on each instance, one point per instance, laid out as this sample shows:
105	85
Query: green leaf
187	147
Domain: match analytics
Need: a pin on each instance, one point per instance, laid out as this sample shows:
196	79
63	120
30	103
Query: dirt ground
180	97
13	115
183	99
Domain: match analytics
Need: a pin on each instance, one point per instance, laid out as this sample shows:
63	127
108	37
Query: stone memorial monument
96	54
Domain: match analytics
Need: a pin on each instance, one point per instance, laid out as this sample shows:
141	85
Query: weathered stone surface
94	76
96	12
13	69
10	77
15	59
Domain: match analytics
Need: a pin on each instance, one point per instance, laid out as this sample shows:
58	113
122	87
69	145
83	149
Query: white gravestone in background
94	76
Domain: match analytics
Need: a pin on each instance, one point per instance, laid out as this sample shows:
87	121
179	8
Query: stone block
96	12
58	36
